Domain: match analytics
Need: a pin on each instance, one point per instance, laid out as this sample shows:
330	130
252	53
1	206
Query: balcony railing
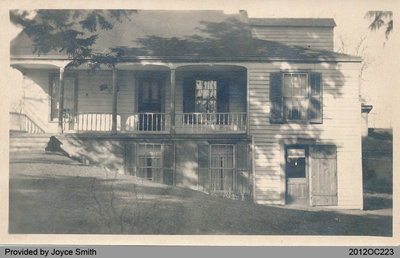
211	122
147	122
127	122
156	122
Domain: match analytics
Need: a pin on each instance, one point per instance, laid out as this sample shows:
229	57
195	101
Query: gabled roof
188	35
293	22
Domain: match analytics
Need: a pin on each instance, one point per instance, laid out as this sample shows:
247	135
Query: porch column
114	101
172	105
61	102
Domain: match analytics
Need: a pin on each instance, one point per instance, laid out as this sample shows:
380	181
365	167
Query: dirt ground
52	194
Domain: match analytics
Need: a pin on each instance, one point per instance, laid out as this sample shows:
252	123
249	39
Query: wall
312	37
35	98
102	152
341	126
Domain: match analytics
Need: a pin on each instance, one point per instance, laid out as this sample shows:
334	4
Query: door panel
324	175
296	176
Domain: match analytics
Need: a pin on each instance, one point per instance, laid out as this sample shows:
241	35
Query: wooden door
323	175
296	175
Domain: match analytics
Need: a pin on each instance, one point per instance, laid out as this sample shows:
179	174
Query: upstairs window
296	97
205	95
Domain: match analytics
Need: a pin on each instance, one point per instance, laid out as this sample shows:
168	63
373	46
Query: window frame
223	84
139	156
234	169
292	98
309	96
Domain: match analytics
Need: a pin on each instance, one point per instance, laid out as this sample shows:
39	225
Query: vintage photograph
201	122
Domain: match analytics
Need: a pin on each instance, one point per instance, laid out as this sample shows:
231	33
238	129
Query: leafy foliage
381	19
73	32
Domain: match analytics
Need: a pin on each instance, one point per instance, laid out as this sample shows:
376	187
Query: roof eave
207	58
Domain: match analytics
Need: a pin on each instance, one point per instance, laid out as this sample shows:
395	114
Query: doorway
297	187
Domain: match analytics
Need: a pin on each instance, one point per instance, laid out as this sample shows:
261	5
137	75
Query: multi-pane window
222	168
150	161
295	97
206	96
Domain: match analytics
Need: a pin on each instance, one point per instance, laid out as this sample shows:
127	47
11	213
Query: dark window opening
295	163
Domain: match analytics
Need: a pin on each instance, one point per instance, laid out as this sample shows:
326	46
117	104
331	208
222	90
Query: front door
150	117
296	176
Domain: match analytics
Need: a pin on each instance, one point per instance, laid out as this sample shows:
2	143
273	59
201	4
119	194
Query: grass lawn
51	194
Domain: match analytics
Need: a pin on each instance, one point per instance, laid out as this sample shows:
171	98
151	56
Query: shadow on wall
102	152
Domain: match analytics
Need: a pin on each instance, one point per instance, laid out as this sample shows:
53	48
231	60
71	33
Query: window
222	168
150	161
296	97
296	163
206	96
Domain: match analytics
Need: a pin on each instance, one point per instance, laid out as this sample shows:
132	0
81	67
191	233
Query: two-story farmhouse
225	104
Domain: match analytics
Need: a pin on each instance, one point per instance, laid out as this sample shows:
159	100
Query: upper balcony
194	99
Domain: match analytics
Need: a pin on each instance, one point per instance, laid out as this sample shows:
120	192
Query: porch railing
147	122
126	122
211	122
22	123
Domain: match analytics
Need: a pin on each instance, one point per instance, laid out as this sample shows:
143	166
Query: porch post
114	101
172	105
61	102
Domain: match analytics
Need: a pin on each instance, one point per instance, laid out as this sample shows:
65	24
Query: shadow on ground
74	199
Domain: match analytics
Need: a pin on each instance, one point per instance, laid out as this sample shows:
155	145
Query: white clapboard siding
313	37
341	126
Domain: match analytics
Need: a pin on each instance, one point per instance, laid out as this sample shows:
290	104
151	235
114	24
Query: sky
379	82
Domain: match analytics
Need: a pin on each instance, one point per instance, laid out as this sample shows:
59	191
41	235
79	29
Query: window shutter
242	165
130	158
203	162
168	164
189	96
222	96
275	94
241	154
315	106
